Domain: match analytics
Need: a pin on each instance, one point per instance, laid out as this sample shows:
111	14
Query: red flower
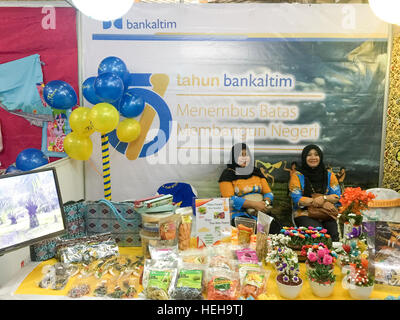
346	248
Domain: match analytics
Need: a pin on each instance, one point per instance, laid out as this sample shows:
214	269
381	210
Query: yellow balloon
105	117
78	147
128	130
80	123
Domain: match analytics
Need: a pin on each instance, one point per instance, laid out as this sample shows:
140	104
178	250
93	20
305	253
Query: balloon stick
106	166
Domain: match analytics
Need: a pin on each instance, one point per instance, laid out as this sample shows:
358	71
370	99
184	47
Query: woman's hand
260	206
318	201
332	198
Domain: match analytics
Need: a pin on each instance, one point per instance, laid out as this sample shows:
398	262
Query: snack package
235	236
189	284
102	288
244	234
247	256
195	256
185	231
56	276
222	284
80	288
169	227
163	252
253	281
125	287
159	277
263	224
222	262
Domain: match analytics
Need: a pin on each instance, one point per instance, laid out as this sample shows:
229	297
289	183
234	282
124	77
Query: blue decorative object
88	91
131	105
108	87
59	95
30	159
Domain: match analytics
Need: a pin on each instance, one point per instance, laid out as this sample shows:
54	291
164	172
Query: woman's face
312	158
243	159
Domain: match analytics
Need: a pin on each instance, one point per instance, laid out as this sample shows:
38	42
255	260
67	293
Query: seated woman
314	178
246	186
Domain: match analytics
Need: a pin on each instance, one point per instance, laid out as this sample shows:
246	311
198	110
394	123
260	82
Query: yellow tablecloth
30	284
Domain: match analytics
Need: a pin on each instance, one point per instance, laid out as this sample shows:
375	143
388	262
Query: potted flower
359	281
321	276
318	254
354	201
277	255
288	280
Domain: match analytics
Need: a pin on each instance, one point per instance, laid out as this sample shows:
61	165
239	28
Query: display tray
29	286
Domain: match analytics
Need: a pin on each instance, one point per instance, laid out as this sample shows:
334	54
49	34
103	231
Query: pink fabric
22	35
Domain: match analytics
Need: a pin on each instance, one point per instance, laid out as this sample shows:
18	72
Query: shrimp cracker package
189	285
159	278
222	284
253	281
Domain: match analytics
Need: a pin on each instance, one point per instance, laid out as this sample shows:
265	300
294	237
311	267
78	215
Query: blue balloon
114	65
131	105
12	169
88	91
108	87
59	94
30	159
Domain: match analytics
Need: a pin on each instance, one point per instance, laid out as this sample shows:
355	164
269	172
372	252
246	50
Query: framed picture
54	132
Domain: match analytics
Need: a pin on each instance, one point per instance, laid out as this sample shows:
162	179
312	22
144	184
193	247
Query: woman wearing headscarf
246	186
314	178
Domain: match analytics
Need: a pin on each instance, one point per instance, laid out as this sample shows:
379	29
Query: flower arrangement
288	268
306	236
323	261
318	254
359	275
279	254
354	201
277	240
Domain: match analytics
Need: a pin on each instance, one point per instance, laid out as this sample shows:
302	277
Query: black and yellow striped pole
106	166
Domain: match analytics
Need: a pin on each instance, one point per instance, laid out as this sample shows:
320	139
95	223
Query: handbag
322	213
119	218
75	225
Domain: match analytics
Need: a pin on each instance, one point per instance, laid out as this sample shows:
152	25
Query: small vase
360	293
322	290
287	291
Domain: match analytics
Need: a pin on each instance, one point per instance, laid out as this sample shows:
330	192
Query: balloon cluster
109	94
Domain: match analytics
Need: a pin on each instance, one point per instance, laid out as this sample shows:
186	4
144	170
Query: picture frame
54	132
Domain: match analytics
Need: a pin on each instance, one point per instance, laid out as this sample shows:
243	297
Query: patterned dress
296	188
237	189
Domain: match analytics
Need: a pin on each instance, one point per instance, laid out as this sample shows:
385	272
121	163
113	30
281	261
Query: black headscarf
234	171
316	178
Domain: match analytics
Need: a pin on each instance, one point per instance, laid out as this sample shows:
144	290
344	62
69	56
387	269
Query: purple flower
296	279
285	279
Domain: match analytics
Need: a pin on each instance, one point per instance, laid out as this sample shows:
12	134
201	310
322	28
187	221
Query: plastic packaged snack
222	284
247	256
102	288
195	256
56	276
263	224
222	262
163	252
169	227
189	285
79	289
253	281
244	234
159	277
185	231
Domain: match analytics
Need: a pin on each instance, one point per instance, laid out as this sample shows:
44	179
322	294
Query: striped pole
106	167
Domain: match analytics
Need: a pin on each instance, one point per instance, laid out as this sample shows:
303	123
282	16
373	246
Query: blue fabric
182	193
296	195
18	90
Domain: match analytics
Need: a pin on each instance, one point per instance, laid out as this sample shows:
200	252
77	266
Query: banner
280	76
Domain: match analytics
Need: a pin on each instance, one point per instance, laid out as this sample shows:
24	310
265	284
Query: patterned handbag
119	218
76	228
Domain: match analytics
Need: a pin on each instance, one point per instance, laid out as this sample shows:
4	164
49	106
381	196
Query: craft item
185	230
212	221
106	167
